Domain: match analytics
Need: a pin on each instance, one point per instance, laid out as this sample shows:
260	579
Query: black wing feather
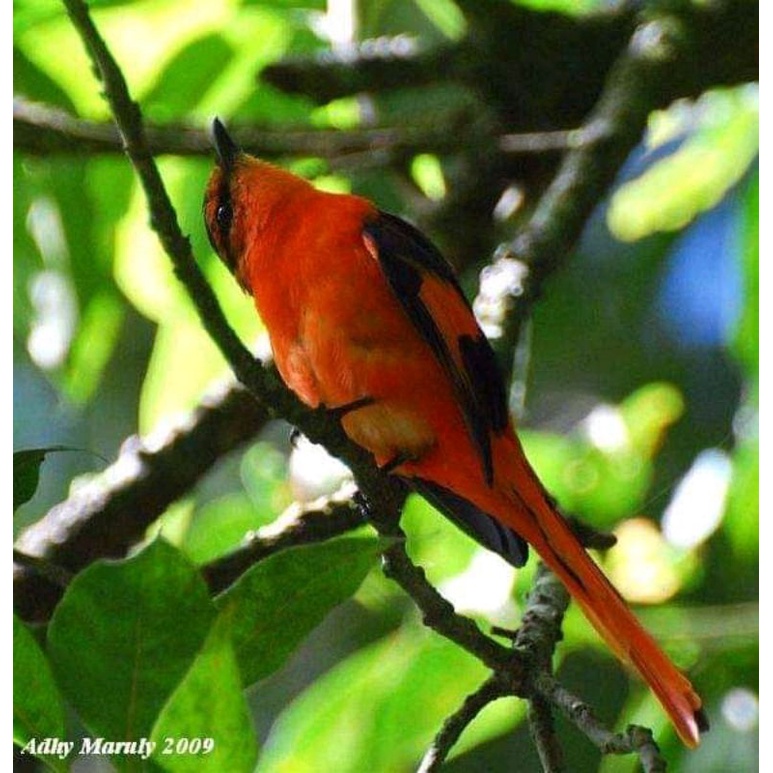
406	255
482	527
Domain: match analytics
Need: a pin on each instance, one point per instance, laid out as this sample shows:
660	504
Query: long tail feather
535	518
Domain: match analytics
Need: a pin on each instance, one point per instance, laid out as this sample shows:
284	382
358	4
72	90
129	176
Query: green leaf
206	725
125	634
26	472
219	526
695	177
33	83
391	696
186	79
280	600
742	517
38	712
746	340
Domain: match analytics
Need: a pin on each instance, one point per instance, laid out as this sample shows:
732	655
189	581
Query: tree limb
44	130
528	90
300	524
111	512
636	740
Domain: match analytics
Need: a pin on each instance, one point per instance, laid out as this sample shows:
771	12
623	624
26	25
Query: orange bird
366	317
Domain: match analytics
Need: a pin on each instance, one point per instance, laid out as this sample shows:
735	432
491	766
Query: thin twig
636	739
41	129
543	733
491	690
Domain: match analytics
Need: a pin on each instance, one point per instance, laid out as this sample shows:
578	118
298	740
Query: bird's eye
224	215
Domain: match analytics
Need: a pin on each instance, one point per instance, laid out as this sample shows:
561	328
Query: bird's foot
396	461
342	410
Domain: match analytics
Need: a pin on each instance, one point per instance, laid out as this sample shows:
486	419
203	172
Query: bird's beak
227	149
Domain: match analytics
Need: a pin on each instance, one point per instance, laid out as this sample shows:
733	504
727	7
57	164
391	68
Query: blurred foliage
621	400
38	709
722	131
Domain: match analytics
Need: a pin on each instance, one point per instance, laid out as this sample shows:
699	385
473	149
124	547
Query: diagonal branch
635	740
300	524
110	513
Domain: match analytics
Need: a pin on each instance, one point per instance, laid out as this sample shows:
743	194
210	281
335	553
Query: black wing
412	265
409	260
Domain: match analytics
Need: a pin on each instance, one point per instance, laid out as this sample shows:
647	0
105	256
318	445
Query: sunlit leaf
696	176
38	711
142	36
220	525
433	541
236	91
643	566
746	339
428	173
742	518
206	725
32	83
184	363
186	79
312	5
445	15
93	346
743	509
391	696
564	6
263	471
648	413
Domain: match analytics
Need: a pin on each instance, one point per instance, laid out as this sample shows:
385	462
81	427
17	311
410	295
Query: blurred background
635	379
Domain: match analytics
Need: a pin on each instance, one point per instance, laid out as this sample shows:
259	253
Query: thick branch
110	513
502	58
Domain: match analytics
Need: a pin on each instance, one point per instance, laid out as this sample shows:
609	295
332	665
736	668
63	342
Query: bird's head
244	201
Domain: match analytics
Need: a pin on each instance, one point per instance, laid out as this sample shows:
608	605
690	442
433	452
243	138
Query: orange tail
532	515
